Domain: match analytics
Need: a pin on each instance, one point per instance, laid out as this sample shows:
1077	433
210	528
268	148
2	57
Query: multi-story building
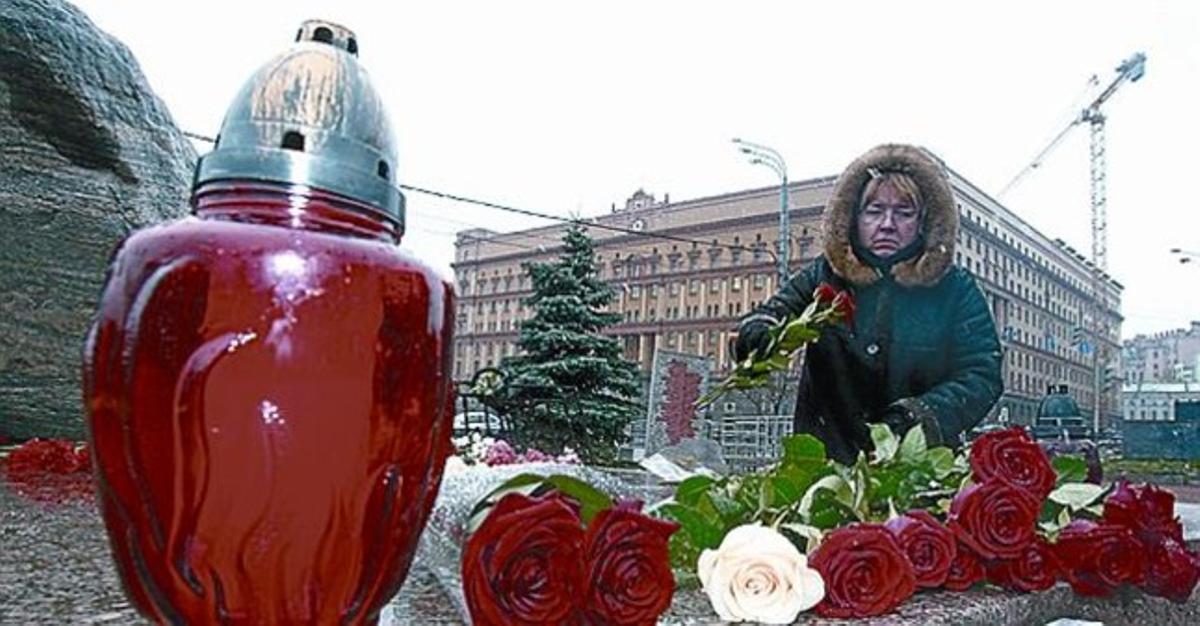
1164	357
688	295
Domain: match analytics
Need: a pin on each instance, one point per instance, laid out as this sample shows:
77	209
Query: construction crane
1130	70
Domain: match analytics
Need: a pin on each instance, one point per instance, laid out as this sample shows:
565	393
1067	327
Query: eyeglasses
902	214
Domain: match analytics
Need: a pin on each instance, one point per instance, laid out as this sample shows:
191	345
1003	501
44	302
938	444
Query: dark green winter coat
922	342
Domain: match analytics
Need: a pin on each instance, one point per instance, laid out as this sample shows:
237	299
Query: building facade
688	296
1165	357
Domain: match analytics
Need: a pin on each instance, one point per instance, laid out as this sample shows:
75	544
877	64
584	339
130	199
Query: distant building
688	296
1165	357
1161	420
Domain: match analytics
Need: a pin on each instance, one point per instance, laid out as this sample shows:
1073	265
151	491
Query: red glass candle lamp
267	381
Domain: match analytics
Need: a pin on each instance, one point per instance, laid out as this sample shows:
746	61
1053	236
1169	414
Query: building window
735	284
760	281
694	286
714	285
635	292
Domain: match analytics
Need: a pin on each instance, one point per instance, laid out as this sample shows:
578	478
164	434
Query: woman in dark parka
922	349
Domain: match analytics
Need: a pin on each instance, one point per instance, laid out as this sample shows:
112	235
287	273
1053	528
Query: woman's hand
752	336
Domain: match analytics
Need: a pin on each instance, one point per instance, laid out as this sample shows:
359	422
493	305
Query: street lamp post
1186	256
762	155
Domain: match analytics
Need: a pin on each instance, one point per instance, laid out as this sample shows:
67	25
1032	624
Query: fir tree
570	385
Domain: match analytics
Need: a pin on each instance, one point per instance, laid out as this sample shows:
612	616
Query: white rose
758	575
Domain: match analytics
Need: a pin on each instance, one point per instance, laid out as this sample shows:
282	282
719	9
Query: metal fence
751	441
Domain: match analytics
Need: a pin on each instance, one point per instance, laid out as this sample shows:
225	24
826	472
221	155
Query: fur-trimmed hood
940	228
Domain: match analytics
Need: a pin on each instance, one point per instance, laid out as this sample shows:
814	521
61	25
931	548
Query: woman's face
888	222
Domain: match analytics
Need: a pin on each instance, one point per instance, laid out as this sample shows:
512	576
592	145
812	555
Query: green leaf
703	533
688	492
885	442
913	447
1076	496
1070	469
796	334
834	484
811	534
860	486
887	481
521	483
520	480
828	511
799	448
784	491
780	361
730	510
591	500
941	460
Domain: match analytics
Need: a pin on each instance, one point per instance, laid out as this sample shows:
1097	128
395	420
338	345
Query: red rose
825	293
628	567
1173	571
865	572
966	570
524	564
1011	457
1146	510
1035	569
1097	558
843	303
929	546
995	520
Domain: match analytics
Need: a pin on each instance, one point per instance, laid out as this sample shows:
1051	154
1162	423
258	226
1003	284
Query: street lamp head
1176	250
1186	259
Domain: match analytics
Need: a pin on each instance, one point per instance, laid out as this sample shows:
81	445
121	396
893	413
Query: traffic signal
1111	377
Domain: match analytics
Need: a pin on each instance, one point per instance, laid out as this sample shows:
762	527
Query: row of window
1033	264
636	264
711	311
757	282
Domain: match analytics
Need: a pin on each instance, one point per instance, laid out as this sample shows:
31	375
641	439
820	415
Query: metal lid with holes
311	117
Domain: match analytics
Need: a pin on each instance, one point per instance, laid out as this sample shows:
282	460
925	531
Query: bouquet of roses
858	541
784	341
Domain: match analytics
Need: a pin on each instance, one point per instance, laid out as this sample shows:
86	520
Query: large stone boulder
88	153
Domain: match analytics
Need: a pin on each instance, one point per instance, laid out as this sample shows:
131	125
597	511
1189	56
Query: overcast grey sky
567	107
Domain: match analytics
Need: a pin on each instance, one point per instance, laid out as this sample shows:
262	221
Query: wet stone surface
55	568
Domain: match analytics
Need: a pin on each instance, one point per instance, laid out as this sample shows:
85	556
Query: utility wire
581	222
565	220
